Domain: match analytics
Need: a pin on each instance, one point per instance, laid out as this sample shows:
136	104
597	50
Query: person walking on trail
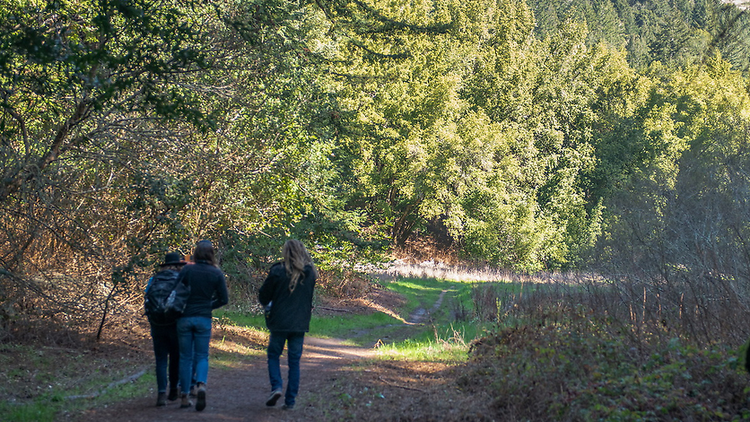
288	292
164	327
208	291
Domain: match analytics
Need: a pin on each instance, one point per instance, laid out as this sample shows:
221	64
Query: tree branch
28	173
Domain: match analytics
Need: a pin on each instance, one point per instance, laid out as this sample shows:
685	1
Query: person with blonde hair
288	292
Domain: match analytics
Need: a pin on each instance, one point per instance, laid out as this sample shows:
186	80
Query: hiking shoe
288	407
161	399
174	394
185	402
275	394
192	392
201	404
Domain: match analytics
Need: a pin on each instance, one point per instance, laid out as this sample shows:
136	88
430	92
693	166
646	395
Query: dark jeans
294	342
195	335
167	353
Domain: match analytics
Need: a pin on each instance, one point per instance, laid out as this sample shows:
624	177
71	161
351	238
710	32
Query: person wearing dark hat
164	327
208	291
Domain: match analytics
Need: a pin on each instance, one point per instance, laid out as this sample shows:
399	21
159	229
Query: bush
575	364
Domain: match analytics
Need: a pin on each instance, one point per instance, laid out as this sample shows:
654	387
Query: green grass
446	339
326	327
447	343
351	327
421	293
29	412
242	319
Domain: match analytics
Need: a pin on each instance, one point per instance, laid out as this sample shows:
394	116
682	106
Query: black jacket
290	311
208	289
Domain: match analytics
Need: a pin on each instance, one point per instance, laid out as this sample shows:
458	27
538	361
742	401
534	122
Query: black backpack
166	298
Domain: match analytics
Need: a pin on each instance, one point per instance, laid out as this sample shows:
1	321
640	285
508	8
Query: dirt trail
239	393
421	314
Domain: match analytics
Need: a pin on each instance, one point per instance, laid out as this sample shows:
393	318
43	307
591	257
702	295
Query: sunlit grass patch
423	350
447	343
235	337
421	293
349	326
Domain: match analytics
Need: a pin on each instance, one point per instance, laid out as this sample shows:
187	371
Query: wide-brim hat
173	258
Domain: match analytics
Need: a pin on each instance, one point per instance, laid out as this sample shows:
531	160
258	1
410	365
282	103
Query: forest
604	136
592	156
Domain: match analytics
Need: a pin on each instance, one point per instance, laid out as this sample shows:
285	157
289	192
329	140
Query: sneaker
288	407
174	394
185	402
161	399
273	398
201	404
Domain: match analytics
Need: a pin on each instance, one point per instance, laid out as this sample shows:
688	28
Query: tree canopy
534	136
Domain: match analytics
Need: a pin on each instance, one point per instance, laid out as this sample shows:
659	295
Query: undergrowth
581	367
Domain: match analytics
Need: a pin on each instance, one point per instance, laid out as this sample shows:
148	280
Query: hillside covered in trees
592	135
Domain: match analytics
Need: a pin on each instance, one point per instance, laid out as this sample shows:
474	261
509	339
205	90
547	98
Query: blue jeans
195	335
294	342
167	354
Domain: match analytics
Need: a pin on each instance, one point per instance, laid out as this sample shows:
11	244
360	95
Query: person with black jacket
164	331
288	292
208	291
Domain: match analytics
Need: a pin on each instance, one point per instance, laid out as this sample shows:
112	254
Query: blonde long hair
295	259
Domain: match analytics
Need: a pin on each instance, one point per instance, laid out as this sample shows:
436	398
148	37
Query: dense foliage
533	136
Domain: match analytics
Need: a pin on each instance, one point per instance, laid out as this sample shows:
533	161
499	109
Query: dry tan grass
742	4
467	273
